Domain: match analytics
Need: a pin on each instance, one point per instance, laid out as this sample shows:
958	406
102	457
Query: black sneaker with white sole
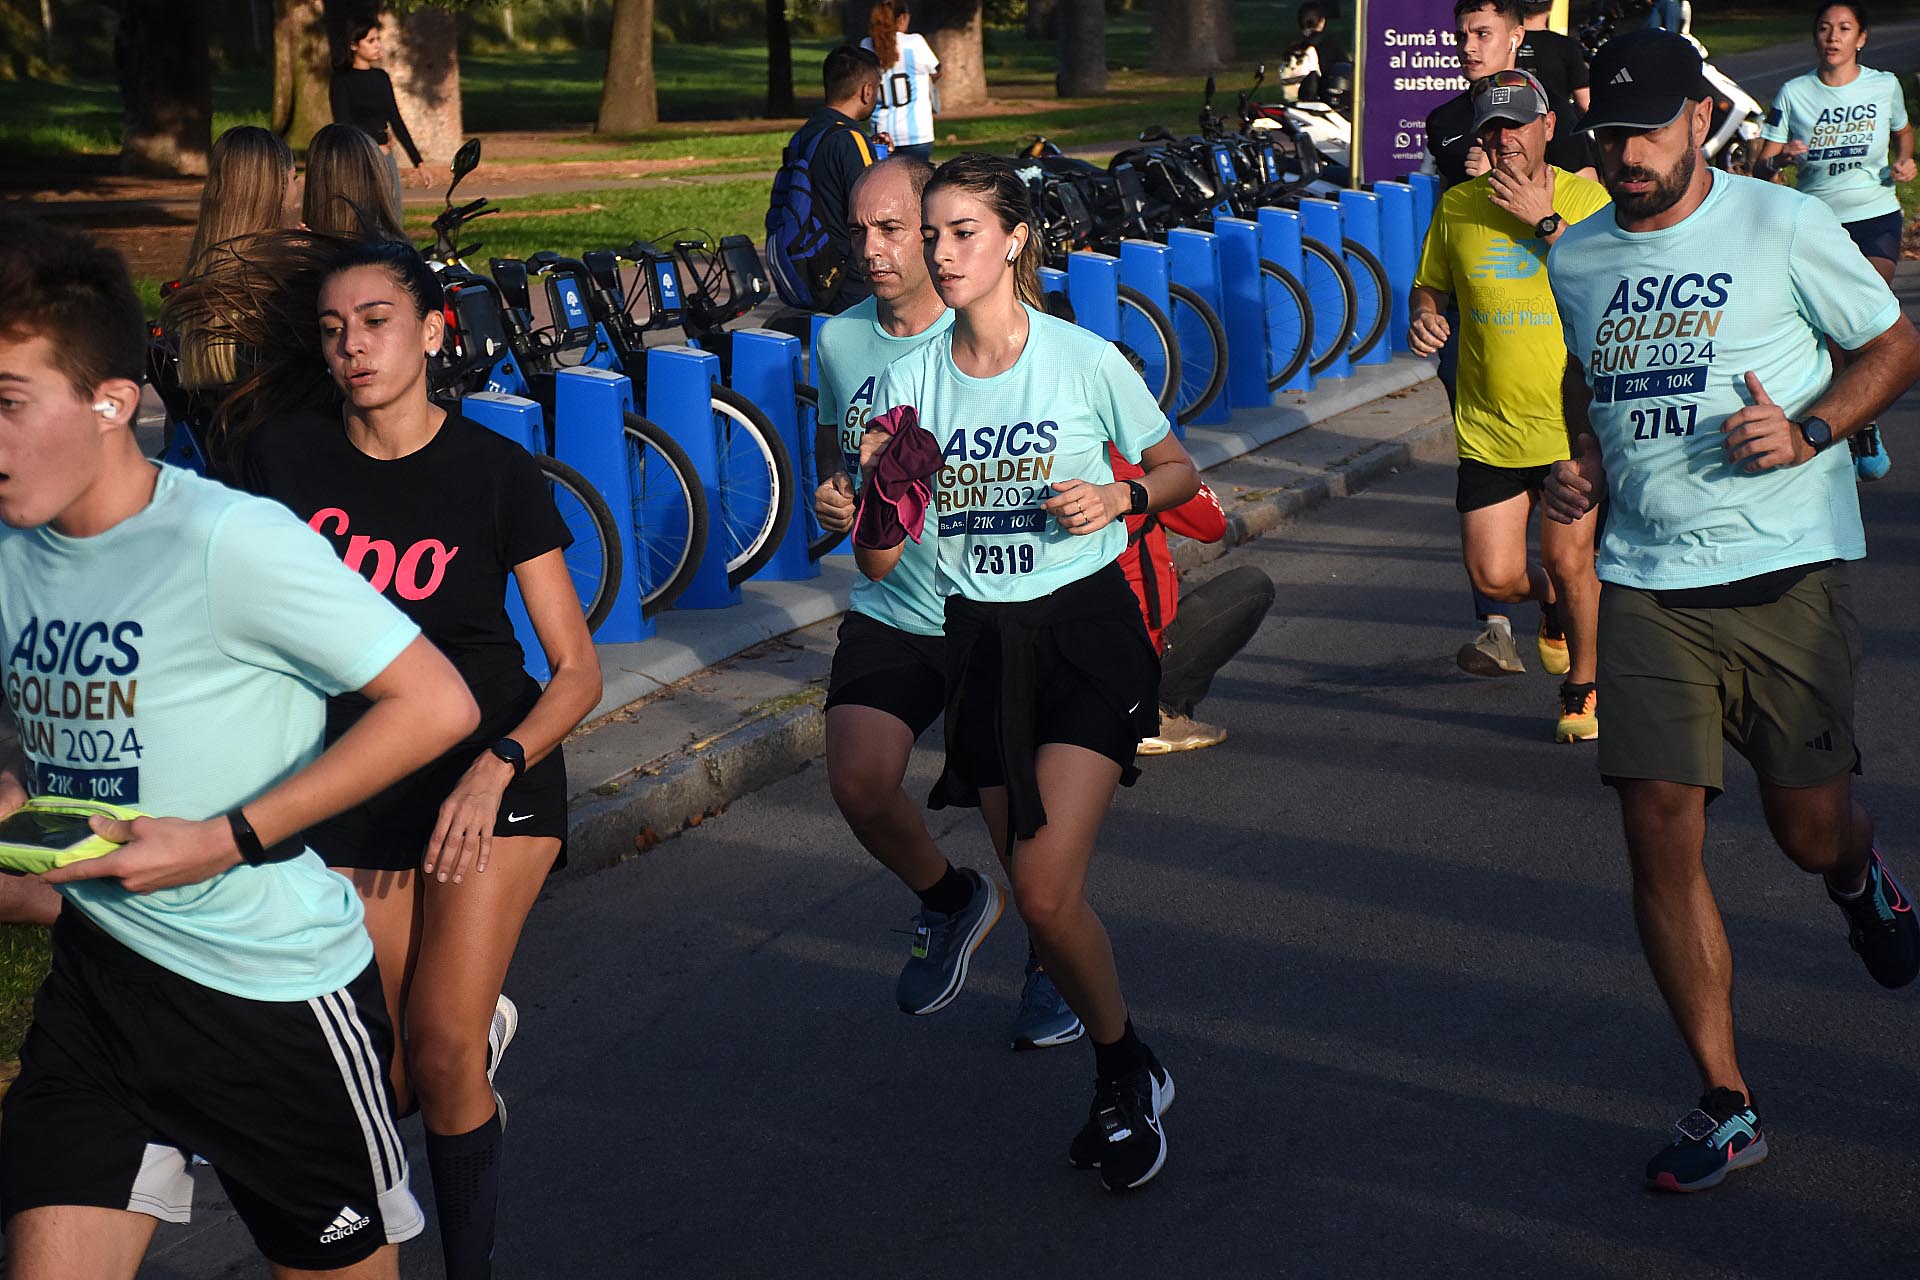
1123	1138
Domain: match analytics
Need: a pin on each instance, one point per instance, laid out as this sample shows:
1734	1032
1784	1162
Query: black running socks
466	1197
949	894
1550	620
1112	1062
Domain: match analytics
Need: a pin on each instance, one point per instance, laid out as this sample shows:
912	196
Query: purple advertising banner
1406	66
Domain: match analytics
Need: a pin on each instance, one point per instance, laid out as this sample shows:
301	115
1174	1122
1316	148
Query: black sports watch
1548	225
1137	499
1816	433
513	753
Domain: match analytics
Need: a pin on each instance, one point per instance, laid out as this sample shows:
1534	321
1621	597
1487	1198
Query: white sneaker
506	1021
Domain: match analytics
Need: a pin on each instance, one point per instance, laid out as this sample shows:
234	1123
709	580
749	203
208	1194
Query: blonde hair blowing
994	182
349	186
246	191
883	28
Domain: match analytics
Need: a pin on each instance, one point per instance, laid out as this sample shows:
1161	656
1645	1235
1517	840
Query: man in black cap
1487	249
1703	405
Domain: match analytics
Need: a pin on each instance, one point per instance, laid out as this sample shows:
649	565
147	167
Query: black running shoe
1721	1135
1122	1137
1881	927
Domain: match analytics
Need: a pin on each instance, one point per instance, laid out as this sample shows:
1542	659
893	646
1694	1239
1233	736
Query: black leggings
1214	622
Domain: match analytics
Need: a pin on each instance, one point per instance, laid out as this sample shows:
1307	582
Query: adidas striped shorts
131	1070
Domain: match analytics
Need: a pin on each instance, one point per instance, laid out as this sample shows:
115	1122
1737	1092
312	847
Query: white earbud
1013	254
106	408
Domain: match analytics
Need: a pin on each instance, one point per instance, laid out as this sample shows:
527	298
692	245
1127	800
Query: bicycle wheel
1203	352
756	484
1289	326
1373	302
669	514
821	463
1330	289
1146	337
593	561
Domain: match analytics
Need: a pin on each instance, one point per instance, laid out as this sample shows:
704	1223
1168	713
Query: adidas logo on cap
1621	77
344	1224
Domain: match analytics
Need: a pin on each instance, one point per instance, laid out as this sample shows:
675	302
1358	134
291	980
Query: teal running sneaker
1870	460
1881	927
943	946
1711	1141
1044	1019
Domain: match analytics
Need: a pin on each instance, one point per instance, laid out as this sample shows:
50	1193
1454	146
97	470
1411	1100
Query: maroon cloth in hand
894	500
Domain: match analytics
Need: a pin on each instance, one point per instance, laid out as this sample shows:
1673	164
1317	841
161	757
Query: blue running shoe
1044	1020
943	945
1881	926
1870	460
1721	1135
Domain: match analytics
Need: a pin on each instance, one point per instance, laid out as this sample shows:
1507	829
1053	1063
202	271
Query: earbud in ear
106	408
1013	254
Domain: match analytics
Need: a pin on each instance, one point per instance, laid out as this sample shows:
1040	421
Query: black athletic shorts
1070	707
131	1070
1483	485
390	831
890	670
1877	237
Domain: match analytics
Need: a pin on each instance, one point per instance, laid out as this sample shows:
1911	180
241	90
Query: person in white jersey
1051	679
888	682
1844	129
1702	403
903	116
213	990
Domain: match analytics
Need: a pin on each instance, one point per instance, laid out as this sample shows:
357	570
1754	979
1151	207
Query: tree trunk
166	81
953	28
1083	49
628	102
302	66
1043	19
779	60
46	26
1225	47
506	23
853	20
1186	37
423	58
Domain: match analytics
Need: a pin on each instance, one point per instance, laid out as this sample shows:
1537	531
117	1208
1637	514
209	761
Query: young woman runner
1845	130
438	512
347	190
1051	680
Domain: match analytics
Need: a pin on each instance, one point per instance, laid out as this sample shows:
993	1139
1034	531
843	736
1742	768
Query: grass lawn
582	220
24	955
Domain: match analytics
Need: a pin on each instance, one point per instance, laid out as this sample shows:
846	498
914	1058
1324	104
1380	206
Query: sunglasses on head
1503	80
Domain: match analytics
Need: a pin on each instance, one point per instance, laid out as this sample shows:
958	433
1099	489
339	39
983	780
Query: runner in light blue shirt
1704	408
1052	680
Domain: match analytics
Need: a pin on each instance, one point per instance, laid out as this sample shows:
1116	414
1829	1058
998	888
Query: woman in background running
1051	680
903	117
361	94
1837	125
439	512
347	190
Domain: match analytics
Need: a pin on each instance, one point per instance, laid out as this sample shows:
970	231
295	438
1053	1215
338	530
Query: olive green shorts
1774	680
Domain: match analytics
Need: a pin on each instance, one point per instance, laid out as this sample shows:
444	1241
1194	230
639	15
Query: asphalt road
1381	938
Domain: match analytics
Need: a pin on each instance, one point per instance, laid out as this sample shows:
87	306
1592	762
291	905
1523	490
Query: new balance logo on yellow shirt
1505	259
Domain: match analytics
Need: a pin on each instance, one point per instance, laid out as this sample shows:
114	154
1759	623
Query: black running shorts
131	1070
390	832
1877	237
1483	485
890	670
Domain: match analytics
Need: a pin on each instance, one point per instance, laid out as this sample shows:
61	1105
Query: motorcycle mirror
1259	75
465	161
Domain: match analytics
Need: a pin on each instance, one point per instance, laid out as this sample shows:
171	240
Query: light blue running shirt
179	664
1007	440
853	352
1848	131
904	110
1667	323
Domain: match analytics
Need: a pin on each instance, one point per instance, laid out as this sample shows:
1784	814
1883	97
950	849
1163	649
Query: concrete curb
636	813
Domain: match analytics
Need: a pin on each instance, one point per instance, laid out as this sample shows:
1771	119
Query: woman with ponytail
903	117
1051	678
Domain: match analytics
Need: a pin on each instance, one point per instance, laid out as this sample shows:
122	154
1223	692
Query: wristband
252	852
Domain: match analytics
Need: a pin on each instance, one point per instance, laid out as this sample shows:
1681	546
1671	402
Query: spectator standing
362	95
909	68
809	236
1557	61
347	190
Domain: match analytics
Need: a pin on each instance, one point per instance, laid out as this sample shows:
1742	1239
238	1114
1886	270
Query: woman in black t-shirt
438	512
361	94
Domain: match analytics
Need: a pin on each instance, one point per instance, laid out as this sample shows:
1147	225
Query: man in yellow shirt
1488	248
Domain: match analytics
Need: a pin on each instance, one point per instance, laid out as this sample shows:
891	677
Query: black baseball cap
1644	80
